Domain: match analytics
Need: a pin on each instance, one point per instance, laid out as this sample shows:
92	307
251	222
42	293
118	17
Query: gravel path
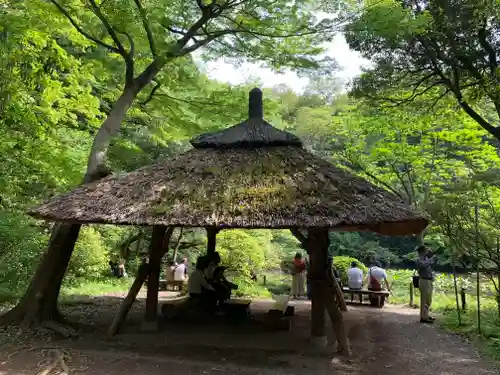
389	341
401	345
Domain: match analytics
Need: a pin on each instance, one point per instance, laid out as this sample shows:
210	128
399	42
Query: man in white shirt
377	276
354	277
180	271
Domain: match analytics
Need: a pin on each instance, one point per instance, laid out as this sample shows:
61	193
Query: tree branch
151	94
205	41
495	131
97	11
81	31
129	61
147	27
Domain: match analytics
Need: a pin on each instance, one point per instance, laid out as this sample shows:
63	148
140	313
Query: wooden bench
172	285
376	298
235	310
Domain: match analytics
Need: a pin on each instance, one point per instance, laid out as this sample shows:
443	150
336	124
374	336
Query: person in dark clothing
425	262
199	289
115	271
214	273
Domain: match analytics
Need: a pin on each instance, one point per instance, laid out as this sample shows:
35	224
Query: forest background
421	121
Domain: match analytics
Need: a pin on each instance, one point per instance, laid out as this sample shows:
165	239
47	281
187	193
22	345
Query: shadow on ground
384	341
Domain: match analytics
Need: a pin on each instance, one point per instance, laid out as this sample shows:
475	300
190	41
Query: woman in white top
198	286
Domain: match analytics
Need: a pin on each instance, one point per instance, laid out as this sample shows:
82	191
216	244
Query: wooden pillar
160	236
318	256
211	239
127	303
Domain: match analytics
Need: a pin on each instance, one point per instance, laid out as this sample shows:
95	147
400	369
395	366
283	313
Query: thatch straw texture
268	187
254	132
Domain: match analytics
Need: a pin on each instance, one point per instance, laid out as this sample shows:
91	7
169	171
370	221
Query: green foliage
425	51
22	244
249	289
342	264
244	252
359	247
90	257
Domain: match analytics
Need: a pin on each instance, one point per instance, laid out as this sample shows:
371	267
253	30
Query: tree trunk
177	244
39	302
211	239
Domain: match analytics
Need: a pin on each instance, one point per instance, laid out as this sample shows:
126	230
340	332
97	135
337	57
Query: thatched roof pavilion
251	175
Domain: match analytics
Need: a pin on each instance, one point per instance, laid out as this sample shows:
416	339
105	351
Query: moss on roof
266	187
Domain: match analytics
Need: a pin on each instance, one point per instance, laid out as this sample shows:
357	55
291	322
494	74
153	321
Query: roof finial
255	104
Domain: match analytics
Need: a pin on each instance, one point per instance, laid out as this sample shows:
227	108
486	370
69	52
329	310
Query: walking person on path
425	262
298	276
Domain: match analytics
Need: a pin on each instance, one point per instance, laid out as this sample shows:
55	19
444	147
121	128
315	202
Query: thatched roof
251	133
264	186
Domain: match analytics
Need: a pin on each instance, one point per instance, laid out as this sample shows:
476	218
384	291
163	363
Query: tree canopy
431	50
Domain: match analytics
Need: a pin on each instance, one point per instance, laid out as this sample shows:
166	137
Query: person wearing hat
425	261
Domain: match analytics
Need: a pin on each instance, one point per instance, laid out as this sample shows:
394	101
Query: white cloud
350	63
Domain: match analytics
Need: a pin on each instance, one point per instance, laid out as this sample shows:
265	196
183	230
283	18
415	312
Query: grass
96	287
77	287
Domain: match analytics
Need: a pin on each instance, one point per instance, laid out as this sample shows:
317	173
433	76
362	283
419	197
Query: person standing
298	276
425	262
308	278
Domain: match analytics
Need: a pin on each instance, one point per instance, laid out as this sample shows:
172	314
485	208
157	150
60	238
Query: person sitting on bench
354	277
198	287
222	286
169	271
376	276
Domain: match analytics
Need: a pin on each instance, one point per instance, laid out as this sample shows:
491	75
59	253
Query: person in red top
298	276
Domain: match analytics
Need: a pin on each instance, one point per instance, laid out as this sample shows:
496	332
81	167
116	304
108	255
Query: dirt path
387	341
401	345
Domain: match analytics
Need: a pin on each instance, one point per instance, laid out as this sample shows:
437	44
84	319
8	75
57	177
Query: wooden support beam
318	255
127	303
211	239
159	245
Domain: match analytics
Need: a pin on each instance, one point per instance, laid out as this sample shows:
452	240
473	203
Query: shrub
240	252
344	263
249	289
90	258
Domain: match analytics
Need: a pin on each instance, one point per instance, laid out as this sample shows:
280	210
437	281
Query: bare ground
386	341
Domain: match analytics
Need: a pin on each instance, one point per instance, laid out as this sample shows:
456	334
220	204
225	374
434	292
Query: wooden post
455	287
412	301
464	299
335	303
211	239
158	248
127	303
478	286
318	253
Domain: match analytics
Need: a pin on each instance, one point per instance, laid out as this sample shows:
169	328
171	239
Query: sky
350	63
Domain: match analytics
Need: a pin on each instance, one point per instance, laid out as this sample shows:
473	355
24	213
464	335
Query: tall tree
148	37
432	49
